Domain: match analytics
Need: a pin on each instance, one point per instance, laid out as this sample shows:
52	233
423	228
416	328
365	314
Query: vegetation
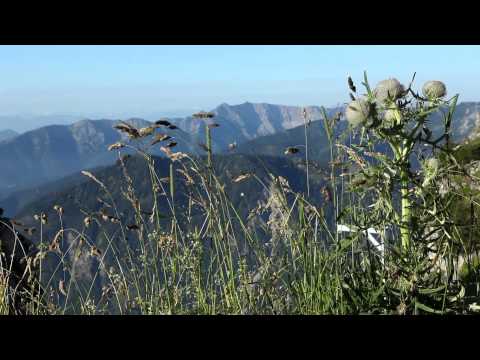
381	229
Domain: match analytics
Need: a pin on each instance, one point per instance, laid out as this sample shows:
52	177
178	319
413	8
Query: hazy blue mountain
51	152
7	134
247	121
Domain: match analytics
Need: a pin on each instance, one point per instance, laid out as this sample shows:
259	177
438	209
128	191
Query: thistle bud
434	90
357	112
392	117
389	89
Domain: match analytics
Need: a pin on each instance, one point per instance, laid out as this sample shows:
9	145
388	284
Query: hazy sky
124	81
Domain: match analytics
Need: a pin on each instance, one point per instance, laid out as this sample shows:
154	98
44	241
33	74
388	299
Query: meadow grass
285	257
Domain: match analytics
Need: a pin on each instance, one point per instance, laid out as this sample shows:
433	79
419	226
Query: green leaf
451	110
426	308
431	291
365	83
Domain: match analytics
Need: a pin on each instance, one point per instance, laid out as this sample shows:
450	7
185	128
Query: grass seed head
117	145
163	122
204	115
291	150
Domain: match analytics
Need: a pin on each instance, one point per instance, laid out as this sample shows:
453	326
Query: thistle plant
394	115
404	160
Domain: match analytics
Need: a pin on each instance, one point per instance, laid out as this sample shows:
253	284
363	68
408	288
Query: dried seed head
55	244
117	145
357	112
177	156
241	177
58	209
87	221
291	150
204	115
163	122
232	146
160	137
61	288
351	85
91	176
95	252
146	131
128	129
434	90
389	89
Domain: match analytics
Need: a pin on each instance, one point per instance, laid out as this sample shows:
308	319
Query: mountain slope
51	152
7	134
247	121
465	127
48	153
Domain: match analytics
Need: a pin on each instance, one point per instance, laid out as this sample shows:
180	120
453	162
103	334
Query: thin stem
306	151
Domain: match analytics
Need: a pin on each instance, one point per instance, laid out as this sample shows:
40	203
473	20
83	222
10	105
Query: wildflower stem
209	146
306	151
406	214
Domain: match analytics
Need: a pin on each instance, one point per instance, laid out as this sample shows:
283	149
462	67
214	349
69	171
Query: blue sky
146	81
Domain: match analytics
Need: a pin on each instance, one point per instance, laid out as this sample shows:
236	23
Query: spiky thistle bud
389	89
391	117
357	112
434	89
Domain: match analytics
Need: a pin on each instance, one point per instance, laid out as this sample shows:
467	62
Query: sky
150	81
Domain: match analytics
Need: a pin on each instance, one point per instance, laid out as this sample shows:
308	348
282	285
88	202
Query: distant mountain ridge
248	121
7	134
54	151
51	152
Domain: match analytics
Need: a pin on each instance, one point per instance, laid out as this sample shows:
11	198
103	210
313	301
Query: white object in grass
370	235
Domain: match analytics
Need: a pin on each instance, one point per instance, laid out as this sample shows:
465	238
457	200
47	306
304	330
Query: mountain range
55	151
51	152
47	154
